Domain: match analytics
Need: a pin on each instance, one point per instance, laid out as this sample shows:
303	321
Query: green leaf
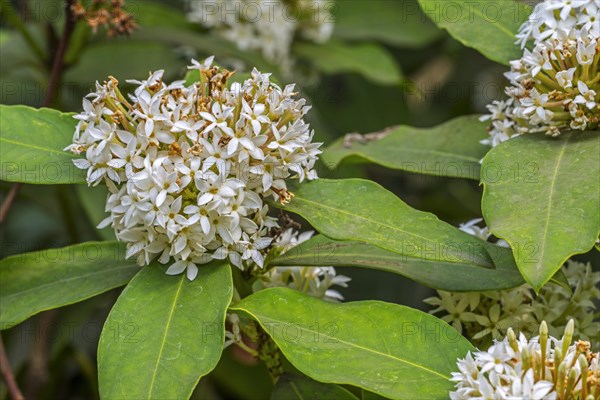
51	278
206	44
151	14
321	250
365	395
542	195
357	209
398	23
488	26
297	387
451	149
164	333
370	60
128	60
31	146
385	348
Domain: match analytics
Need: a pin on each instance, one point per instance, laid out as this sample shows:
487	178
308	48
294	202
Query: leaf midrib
75	278
376	223
370	157
539	265
31	146
164	338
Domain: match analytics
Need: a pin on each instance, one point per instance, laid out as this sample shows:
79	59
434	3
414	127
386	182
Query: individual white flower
180	163
565	78
586	96
543	368
472	228
270	26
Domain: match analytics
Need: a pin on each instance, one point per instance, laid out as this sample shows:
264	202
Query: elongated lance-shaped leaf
542	195
357	209
31	146
164	333
451	149
320	250
488	26
388	349
298	387
51	278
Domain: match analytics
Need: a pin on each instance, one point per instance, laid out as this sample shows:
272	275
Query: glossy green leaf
398	23
488	26
370	60
320	250
388	349
51	278
451	149
31	146
164	333
357	209
297	387
542	195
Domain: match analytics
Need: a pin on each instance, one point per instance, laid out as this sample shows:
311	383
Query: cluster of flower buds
270	26
542	368
555	86
188	167
110	14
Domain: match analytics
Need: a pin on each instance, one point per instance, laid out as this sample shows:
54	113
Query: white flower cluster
188	167
555	86
314	281
543	368
483	316
270	26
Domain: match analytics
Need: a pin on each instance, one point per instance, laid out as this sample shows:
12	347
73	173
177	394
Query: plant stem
13	18
58	63
9	200
8	375
24	9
